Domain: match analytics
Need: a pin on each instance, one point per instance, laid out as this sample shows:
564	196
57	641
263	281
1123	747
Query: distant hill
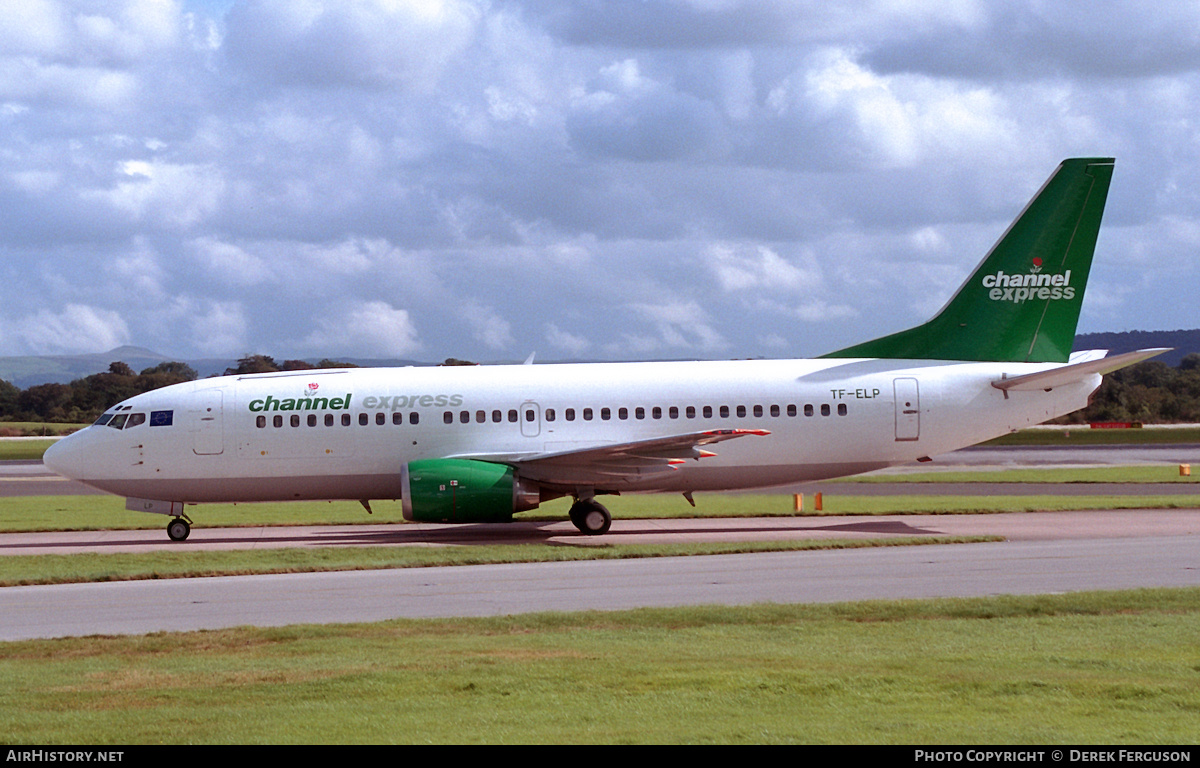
31	370
28	371
1182	343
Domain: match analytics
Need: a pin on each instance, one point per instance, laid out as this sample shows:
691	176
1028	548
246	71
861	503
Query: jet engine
464	491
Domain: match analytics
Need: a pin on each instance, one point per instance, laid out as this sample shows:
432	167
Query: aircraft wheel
178	529
591	517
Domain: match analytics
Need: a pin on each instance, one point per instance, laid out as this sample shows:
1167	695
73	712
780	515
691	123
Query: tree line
83	400
1149	392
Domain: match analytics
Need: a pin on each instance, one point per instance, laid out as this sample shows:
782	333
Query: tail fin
1022	303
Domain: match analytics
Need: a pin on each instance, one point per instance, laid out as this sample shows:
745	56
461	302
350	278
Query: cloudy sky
587	179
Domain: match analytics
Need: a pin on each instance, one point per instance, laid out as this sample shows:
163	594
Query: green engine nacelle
464	491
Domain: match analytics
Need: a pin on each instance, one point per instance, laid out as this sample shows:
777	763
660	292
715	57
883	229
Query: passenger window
549	414
758	411
480	417
530	414
362	419
312	419
673	412
724	411
397	418
622	413
295	419
448	417
774	410
465	417
587	414
708	411
345	419
512	415
497	417
824	409
691	412
277	421
656	412
329	419
841	409
414	417
569	414
605	414
741	411
791	409
808	410
380	419
260	422
639	413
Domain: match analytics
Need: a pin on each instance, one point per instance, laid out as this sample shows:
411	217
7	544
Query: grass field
108	513
33	428
1084	435
21	570
1108	474
65	513
11	450
1100	668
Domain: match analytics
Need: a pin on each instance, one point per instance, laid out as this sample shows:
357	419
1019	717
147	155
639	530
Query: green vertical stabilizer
1022	303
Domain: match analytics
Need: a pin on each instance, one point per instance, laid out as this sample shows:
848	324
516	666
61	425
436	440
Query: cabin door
908	409
209	438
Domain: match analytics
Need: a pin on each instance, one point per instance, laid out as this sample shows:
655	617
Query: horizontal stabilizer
1067	374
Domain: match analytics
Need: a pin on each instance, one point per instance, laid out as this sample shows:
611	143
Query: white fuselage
346	434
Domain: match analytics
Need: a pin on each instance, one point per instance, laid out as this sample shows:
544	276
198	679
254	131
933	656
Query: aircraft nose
64	458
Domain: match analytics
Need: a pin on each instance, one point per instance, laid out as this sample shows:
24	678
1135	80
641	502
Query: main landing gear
179	528
590	517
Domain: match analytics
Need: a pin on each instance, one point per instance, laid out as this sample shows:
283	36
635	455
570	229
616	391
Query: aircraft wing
596	464
1066	374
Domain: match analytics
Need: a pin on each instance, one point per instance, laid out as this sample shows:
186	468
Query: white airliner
478	444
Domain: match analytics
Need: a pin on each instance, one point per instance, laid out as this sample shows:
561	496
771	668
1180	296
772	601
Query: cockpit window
104	418
118	421
135	419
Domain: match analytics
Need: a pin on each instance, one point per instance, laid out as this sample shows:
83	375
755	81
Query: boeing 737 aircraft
479	444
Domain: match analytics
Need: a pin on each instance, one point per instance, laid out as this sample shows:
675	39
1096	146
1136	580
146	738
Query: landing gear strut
590	517
179	528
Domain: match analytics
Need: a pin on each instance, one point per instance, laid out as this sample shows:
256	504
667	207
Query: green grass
1078	434
36	428
1111	474
78	513
11	450
20	570
1098	668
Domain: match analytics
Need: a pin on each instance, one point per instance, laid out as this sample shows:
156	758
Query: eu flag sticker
161	418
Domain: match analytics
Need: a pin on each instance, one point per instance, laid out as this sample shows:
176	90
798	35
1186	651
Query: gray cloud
474	179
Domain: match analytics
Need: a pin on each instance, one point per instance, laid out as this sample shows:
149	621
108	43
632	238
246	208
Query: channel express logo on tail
1035	285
